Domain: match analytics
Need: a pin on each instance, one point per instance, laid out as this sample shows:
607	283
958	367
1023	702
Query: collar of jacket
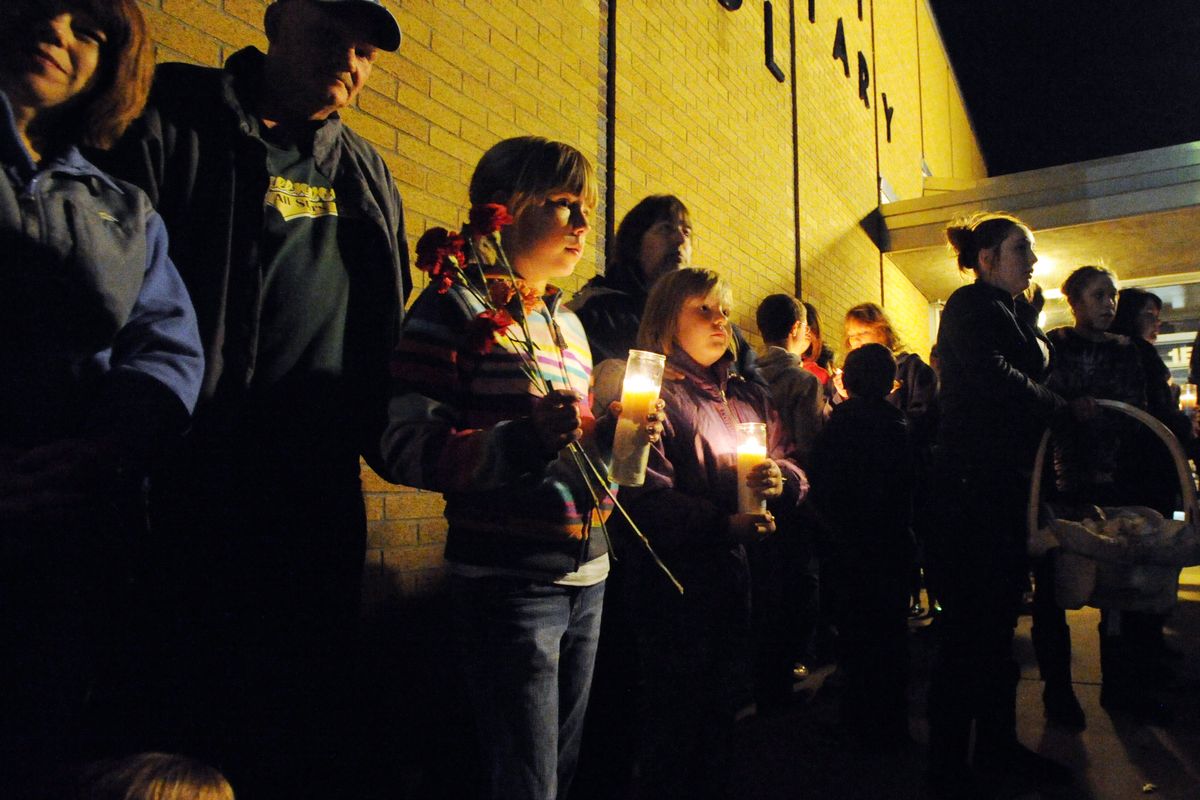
240	92
712	379
997	293
15	155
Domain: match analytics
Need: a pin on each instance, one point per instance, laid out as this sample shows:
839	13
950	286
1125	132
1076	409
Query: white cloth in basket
1129	560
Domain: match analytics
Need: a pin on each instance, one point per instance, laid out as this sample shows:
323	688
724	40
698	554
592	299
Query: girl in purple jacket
695	647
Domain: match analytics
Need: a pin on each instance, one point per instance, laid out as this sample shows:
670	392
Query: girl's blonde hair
154	776
660	320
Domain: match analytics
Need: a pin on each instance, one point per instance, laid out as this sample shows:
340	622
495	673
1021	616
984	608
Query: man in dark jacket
288	231
654	238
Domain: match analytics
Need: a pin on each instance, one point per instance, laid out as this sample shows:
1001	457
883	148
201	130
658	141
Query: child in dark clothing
862	486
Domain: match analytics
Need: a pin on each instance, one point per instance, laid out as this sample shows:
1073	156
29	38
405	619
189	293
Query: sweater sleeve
782	451
427	443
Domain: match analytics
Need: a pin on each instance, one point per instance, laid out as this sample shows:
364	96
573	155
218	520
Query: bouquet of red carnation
443	254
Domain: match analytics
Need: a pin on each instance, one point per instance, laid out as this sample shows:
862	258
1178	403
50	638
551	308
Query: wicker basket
1107	575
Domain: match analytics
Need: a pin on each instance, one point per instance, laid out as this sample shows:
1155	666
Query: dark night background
1050	82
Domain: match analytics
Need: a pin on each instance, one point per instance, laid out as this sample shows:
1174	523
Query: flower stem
603	481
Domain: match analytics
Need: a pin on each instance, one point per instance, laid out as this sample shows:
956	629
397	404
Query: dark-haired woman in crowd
654	239
100	366
994	410
1138	313
1137	317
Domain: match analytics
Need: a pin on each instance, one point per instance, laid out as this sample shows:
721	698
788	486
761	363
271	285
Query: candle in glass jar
639	394
751	451
1187	398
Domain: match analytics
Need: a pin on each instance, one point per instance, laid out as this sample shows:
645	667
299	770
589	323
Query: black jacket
194	154
863	479
993	406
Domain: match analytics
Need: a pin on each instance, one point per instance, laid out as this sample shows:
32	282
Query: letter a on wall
839	47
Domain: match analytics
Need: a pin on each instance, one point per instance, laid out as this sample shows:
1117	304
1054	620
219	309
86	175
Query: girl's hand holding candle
751	459
639	423
747	528
766	480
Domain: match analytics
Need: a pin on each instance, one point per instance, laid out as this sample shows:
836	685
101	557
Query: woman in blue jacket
100	364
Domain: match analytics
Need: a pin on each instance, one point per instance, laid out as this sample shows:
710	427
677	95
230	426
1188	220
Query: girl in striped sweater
491	415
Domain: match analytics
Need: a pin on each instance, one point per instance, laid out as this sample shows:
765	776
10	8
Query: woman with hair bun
994	410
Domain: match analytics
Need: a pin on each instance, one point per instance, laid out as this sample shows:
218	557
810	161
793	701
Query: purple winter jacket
691	481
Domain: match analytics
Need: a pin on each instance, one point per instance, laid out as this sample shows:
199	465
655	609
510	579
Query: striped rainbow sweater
459	424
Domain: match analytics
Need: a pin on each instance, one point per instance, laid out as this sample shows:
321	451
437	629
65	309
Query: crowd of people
206	331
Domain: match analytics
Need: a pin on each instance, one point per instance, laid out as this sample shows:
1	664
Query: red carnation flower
530	296
481	331
487	218
500	290
439	250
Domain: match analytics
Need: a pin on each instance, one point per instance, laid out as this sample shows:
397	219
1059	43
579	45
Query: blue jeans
527	650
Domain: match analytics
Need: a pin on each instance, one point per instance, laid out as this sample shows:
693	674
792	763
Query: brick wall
696	114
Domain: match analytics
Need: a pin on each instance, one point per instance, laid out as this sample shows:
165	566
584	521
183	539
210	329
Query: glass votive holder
1187	399
751	451
639	393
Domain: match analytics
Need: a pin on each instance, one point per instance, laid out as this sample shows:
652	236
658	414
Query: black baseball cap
385	31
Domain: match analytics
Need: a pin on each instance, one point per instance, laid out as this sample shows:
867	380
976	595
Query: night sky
1050	82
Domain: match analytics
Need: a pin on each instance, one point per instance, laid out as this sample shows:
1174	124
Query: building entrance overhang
1138	214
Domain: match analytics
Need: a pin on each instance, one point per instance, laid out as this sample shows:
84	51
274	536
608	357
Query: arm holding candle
688	500
639	399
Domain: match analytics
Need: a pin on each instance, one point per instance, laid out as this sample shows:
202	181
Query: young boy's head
870	372
779	315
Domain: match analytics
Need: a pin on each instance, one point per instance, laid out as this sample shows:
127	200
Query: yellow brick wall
951	149
697	115
899	159
908	310
838	185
